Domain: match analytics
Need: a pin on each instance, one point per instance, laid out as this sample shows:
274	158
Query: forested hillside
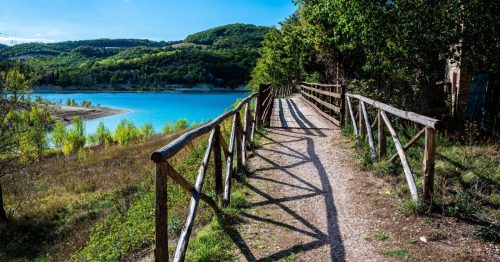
229	55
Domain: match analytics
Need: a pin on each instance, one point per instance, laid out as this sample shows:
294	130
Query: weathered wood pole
183	242
239	144
404	161
382	141
218	163
429	158
353	119
254	121
369	132
342	105
229	165
161	213
361	121
245	135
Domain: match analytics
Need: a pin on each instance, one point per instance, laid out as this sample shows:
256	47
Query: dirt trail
303	203
309	202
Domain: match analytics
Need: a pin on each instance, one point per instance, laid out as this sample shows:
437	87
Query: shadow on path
293	158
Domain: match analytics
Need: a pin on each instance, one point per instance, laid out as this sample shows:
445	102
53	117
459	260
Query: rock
423	239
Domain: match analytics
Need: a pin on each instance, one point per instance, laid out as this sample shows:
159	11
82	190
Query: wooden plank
382	141
353	118
404	162
326	93
179	179
429	162
410	143
218	163
229	165
161	213
417	118
371	142
180	252
321	102
175	146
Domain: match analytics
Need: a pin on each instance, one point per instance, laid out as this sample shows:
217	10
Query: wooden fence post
245	135
342	105
218	163
239	154
254	121
361	121
382	142
161	213
429	158
259	104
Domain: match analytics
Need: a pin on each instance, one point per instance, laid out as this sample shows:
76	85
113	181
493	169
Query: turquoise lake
157	108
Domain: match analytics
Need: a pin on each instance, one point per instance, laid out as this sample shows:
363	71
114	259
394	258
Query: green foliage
121	234
59	134
102	136
181	124
75	138
382	236
211	244
145	132
230	36
86	103
398	253
487	234
167	129
145	64
125	132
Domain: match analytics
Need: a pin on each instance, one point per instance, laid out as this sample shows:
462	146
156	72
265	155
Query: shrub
180	125
102	136
146	131
167	129
59	134
125	132
76	137
488	234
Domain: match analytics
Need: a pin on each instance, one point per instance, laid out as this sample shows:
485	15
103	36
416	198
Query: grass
398	253
467	173
54	206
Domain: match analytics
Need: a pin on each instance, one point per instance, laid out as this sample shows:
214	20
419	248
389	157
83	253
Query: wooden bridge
318	110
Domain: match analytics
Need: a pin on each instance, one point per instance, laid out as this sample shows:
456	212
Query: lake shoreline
66	114
170	89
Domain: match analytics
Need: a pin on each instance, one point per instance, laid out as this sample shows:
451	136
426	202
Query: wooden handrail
241	134
417	118
384	124
326	93
324	85
325	105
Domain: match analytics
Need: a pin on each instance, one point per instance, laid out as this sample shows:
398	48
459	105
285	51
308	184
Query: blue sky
59	20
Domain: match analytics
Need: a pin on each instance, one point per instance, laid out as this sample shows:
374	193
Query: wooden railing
328	100
242	135
383	125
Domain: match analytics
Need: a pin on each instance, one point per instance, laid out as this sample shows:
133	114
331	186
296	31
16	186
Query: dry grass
54	205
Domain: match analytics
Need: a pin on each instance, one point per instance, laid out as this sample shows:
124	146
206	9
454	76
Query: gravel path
304	207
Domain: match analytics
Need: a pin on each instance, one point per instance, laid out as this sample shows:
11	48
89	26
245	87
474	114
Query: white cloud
12	40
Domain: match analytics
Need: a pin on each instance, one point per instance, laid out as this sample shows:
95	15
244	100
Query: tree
59	134
75	138
102	136
22	129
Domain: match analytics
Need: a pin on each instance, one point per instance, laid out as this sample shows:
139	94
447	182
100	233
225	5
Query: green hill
223	56
230	36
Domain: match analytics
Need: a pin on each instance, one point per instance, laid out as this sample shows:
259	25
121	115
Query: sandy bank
67	113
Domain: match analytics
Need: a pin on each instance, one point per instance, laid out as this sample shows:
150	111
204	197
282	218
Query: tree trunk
3	214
